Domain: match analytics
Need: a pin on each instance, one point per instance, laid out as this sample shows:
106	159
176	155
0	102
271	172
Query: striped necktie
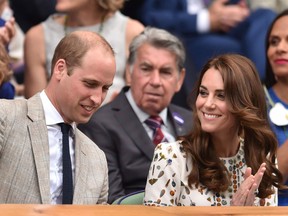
155	122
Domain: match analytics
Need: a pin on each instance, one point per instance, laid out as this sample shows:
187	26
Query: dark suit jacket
118	132
24	158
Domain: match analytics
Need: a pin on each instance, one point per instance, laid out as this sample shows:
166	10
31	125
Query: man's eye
166	72
106	88
145	69
90	84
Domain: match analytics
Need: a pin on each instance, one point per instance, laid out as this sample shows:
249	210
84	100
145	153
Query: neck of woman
226	146
84	19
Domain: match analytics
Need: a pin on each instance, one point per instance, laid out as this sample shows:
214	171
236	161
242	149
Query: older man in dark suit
128	128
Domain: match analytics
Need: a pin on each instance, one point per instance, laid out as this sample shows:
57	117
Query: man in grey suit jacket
31	139
155	71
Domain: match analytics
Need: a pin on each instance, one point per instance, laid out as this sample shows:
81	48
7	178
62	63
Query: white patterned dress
167	182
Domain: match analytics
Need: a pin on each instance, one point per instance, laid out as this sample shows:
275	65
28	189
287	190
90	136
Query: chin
60	7
208	129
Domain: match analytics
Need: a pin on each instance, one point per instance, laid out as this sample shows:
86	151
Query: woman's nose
210	103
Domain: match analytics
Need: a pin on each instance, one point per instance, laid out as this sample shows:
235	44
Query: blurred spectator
132	8
276	5
7	23
31	12
7	32
208	29
7	90
276	89
16	53
102	16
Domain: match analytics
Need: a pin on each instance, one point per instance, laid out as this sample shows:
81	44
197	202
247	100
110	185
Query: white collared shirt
166	127
52	118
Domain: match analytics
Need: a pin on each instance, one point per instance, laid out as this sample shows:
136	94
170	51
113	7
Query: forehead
280	25
212	78
155	54
98	61
97	54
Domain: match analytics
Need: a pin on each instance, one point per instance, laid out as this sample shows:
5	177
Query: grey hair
158	38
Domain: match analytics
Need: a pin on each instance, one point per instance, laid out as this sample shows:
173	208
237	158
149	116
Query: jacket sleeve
99	134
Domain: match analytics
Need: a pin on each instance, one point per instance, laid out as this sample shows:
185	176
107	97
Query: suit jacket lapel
176	118
133	127
40	145
81	169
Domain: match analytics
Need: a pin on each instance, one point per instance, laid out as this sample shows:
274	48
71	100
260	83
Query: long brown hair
246	99
5	70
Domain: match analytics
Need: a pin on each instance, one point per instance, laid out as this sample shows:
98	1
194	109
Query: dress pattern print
167	183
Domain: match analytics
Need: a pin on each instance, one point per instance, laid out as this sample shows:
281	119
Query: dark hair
75	45
246	99
269	75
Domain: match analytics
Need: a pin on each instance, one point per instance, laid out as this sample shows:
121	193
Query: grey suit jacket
129	150
24	158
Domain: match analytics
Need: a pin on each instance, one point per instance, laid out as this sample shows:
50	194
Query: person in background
7	32
141	116
7	23
276	88
7	90
229	157
14	45
31	159
209	28
4	63
29	13
277	5
102	16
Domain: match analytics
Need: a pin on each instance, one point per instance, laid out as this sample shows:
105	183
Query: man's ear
128	74
60	68
180	79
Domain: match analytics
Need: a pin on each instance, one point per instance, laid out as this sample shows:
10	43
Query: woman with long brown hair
229	158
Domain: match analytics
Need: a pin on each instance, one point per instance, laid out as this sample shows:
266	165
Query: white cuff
203	21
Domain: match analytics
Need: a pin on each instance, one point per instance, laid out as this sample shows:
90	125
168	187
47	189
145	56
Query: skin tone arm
245	195
224	17
8	31
283	160
34	57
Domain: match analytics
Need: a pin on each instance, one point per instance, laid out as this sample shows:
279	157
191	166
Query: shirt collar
52	116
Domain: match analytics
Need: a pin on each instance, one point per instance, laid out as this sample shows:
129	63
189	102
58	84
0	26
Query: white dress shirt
52	118
166	127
